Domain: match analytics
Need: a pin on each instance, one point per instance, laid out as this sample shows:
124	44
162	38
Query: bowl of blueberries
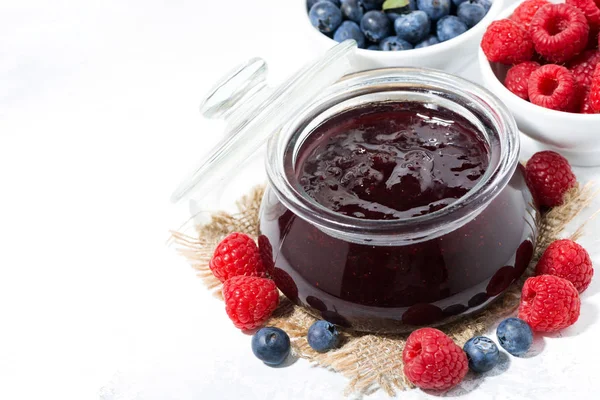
442	34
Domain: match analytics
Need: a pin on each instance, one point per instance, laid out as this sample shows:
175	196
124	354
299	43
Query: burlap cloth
370	361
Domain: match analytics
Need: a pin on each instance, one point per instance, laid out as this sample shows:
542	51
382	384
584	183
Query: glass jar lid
253	112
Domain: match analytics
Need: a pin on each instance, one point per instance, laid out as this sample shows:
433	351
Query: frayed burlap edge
369	361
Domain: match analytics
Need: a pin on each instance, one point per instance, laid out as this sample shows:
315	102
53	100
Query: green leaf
392	4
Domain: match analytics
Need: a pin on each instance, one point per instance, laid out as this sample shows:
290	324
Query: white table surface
98	122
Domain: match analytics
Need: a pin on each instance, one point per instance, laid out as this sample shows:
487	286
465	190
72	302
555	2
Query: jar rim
504	140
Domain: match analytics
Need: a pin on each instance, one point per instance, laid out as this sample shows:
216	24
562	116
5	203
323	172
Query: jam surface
392	161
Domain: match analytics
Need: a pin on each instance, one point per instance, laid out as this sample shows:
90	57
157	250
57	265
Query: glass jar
374	275
394	275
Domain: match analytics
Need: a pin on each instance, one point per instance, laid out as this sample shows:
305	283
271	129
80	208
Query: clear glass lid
253	112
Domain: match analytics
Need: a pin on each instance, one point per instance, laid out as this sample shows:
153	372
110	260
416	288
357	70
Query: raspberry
589	8
250	301
559	32
585	107
236	255
507	42
594	98
266	254
582	67
549	303
549	176
568	260
552	86
517	78
593	38
525	11
433	361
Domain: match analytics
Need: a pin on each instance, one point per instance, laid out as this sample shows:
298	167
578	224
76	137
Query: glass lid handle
245	79
232	98
253	112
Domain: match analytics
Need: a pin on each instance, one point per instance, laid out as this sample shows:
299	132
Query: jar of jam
395	198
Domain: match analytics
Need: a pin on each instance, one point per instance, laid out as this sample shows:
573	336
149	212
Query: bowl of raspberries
541	57
442	34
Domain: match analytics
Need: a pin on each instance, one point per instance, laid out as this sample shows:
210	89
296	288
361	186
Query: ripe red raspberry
236	255
589	8
525	11
433	361
585	107
250	301
507	42
579	99
582	67
517	78
559	32
266	254
552	86
549	303
594	99
593	38
549	176
568	260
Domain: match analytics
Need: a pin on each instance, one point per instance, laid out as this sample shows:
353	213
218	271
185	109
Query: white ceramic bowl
451	56
575	136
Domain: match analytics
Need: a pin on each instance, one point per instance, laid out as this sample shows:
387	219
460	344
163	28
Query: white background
98	122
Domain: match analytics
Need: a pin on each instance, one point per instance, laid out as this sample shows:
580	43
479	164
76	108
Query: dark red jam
392	161
397	161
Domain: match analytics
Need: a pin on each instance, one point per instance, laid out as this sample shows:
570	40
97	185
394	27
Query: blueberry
350	30
435	9
323	336
429	41
394	43
372	4
373	47
450	27
271	345
352	10
486	4
515	336
458	2
325	16
482	353
375	25
470	13
310	3
413	27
